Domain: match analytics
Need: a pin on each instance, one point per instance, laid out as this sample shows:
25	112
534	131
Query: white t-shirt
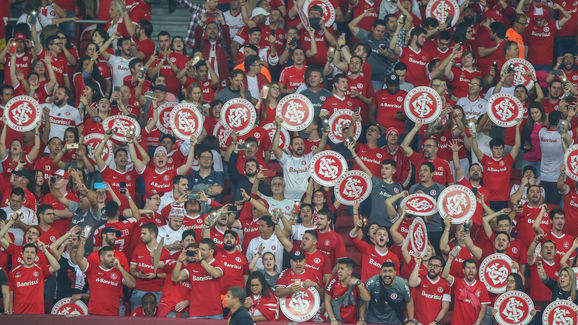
552	154
28	217
166	199
299	230
272	245
234	22
285	206
503	90
473	109
295	174
119	67
524	197
62	118
253	86
171	236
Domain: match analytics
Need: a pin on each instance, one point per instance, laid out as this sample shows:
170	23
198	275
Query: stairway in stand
176	22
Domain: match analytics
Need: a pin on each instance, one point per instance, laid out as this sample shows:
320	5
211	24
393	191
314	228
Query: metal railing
80	21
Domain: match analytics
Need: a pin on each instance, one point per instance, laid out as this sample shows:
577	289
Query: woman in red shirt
267	107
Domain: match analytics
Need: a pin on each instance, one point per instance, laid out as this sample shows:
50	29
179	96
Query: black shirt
241	317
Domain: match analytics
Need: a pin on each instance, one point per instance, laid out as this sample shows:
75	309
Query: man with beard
372	256
427	185
125	228
389	295
555	92
314	258
240	181
344	293
204	277
105	280
297	277
235	265
158	177
295	165
471	296
369	152
567	65
387	106
216	223
432	294
118	64
442	172
172	232
142	268
61	115
360	89
148	306
276	202
530	211
329	242
557	221
180	188
412	55
27	281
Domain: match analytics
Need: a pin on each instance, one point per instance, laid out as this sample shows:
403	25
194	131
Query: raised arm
406	143
446	272
518	143
564	261
276	138
532	249
536	225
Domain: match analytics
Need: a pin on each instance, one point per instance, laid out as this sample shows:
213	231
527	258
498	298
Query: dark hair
17	191
189	232
111	209
100	31
338	77
498	28
30	245
438	258
43	207
444	35
146	26
496	142
383	22
429	165
117	151
232	233
461	31
268	220
239	293
151	227
529	168
236	72
105	249
265	290
389	162
74	131
132	64
503	217
554	117
250	60
311	69
163	33
388	264
347	261
312	233
326	212
508	45
554	212
518	280
208	241
503	233
255	29
469	261
430	22
399	66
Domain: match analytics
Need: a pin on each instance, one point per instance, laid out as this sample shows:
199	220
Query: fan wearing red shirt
141	266
550	263
204	277
142	37
235	265
344	284
360	88
460	77
563	241
293	76
175	298
323	37
530	211
26	281
570	190
296	278
55	54
387	105
471	298
124	228
431	296
540	33
158	177
328	241
104	279
497	168
555	92
23	59
440	48
63	215
413	55
148	308
168	64
373	256
315	260
443	173
340	98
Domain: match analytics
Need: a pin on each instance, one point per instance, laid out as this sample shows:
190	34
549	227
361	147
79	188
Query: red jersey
387	106
105	290
456	269
371	259
205	290
27	283
563	243
335	102
125	227
143	261
322	45
177	59
468	299
316	263
266	306
525	220
539	292
331	244
235	266
288	277
428	298
372	158
217	236
416	62
174	292
160	181
461	82
59	65
50	236
402	162
60	225
541	38
292	77
147	47
336	289
94	259
365	89
16	253
250	230
23	63
442	174
571	209
495	172
114	177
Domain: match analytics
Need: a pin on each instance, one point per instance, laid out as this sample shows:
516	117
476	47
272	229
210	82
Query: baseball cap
61	173
107	230
539	12
160	149
19	36
259	11
390	130
494	14
297	255
25	173
152	193
392	79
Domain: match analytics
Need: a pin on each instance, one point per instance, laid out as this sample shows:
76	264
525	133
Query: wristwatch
358	282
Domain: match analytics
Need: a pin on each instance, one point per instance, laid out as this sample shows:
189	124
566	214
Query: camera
191	253
193	196
511	68
71	146
243	146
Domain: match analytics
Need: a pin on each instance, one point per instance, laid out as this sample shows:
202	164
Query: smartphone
358	110
461	50
13	47
122	188
33	17
325	124
272	32
382	46
297	206
142	73
268	173
402	19
243	146
52	179
449	20
86	231
495	66
116	88
211	13
193	196
71	146
99	186
293	41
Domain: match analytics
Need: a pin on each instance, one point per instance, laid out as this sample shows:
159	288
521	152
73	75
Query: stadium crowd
225	225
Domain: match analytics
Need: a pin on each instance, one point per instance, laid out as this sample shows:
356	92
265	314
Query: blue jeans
219	316
136	298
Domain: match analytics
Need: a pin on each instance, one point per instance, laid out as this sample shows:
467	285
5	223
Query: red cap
494	14
539	12
390	130
61	173
151	193
19	36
